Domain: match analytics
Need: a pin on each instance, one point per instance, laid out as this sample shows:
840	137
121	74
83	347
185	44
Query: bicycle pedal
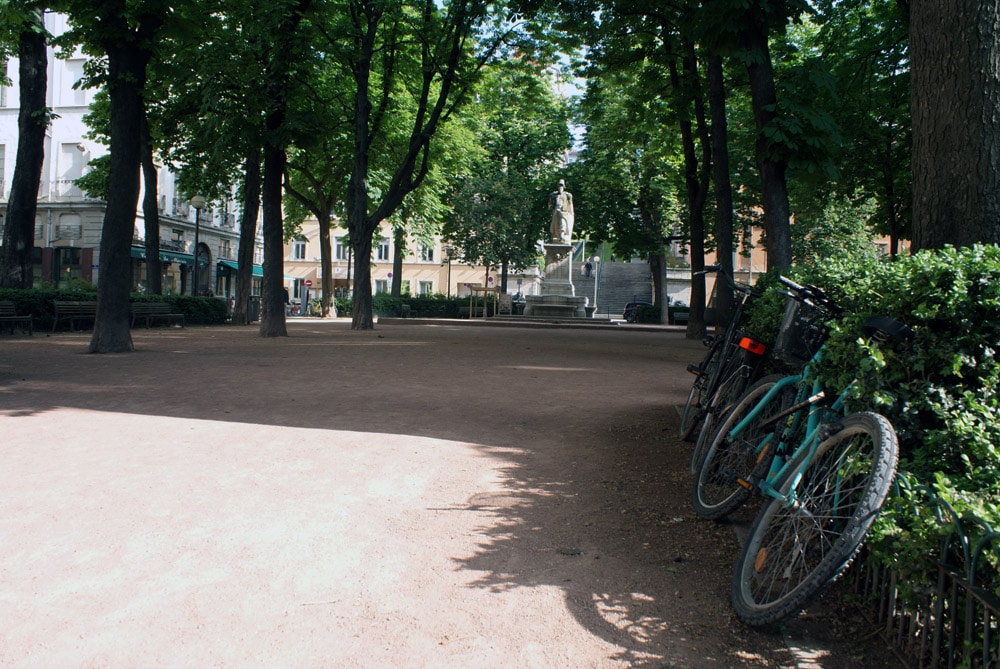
745	484
695	369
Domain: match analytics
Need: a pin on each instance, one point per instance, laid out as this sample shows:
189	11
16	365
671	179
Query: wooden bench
74	311
151	312
8	316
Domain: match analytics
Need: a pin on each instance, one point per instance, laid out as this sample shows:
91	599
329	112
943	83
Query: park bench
9	317
74	311
152	312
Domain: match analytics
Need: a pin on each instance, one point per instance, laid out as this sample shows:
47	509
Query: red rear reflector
753	346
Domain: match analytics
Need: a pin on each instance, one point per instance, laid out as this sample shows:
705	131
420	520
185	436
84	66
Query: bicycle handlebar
729	279
811	295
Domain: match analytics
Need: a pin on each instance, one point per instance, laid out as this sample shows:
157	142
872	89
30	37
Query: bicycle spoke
800	544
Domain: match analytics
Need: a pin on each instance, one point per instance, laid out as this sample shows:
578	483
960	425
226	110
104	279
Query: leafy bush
940	392
38	303
427	306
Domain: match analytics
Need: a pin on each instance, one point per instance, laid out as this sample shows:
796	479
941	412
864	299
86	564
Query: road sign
308	282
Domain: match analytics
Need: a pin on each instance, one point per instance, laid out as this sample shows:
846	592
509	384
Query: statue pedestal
558	298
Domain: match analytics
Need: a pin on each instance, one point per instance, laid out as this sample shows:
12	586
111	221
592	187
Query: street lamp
448	253
197	201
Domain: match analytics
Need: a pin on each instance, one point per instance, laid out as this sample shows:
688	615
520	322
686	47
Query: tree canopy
442	117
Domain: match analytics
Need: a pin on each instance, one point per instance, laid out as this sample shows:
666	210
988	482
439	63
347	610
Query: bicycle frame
735	342
783	464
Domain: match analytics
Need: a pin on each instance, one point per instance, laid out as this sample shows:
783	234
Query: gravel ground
420	495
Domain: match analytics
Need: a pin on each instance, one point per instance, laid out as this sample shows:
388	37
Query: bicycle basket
803	331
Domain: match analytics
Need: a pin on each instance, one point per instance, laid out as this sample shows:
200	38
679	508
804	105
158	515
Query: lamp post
448	253
197	201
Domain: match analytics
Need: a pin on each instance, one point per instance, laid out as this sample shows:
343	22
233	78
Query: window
3	89
382	252
426	287
381	286
69	227
71	161
341	249
299	250
404	287
69	96
427	253
67	265
3	155
225	249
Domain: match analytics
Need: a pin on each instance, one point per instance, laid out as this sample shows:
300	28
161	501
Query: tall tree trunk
399	243
151	214
127	60
956	143
327	304
696	179
891	211
360	227
16	262
723	185
777	213
272	312
361	310
248	236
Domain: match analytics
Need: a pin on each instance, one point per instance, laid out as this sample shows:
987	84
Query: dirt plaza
426	494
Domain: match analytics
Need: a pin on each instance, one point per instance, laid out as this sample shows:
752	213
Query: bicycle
824	475
731	364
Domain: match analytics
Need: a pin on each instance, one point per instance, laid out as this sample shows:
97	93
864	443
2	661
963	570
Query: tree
865	43
956	169
428	47
500	200
123	36
16	257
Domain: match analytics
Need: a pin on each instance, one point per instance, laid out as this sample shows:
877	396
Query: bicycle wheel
735	380
691	416
716	491
796	549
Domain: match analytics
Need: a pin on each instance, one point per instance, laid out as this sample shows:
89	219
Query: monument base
555	306
558	278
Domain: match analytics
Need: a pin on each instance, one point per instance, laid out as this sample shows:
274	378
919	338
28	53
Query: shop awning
165	256
229	264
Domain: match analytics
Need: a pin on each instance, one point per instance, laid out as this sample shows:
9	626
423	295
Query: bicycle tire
691	416
735	380
716	492
795	551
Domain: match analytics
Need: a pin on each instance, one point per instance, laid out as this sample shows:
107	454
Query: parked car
678	312
632	310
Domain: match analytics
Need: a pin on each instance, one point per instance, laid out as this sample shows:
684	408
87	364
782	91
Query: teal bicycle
824	474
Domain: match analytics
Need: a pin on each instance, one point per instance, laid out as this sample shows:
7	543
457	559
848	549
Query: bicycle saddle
883	328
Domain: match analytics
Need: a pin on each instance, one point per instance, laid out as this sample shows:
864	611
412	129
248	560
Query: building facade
427	269
68	225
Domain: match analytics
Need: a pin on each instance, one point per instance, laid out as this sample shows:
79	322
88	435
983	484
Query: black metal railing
953	622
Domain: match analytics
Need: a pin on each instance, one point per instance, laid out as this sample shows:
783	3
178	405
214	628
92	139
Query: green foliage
96	183
842	229
500	197
939	392
38	303
426	306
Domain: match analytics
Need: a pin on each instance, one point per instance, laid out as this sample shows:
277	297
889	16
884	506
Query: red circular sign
308	282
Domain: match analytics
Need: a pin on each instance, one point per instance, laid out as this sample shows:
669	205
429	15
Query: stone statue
561	204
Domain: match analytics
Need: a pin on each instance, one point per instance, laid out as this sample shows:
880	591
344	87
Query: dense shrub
38	303
427	306
940	392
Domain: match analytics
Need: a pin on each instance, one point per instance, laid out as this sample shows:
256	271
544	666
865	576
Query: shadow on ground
594	484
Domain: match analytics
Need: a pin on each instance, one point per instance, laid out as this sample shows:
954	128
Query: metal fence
953	622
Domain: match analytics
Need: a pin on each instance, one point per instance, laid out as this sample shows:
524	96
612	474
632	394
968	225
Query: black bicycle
732	364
